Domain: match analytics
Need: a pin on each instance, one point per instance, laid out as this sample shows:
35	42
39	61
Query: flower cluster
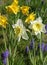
43	47
35	24
15	8
23	25
4	56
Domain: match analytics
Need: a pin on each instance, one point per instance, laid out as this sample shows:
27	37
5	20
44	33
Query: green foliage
20	57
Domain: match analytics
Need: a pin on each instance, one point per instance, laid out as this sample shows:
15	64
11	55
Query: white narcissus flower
20	30
37	26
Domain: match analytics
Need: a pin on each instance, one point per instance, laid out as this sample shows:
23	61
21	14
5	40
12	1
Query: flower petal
25	36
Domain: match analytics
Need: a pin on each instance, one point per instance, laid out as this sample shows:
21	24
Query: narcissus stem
41	56
5	44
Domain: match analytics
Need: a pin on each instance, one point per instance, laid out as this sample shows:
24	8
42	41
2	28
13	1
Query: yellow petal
25	10
31	17
3	21
13	8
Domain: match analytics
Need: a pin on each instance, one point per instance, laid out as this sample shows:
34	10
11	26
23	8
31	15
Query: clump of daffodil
20	30
37	26
31	17
3	21
14	8
25	10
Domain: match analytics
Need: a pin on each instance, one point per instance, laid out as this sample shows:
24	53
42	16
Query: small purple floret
27	49
46	27
45	47
5	54
42	46
4	61
32	44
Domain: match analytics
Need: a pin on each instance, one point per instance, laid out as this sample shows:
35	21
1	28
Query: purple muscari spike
27	49
45	47
46	27
32	44
42	46
5	54
4	61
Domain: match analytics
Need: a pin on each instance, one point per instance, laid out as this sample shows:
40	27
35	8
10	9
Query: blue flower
46	28
32	44
45	47
4	61
5	54
42	46
27	49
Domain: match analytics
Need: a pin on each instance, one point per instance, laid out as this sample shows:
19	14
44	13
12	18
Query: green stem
41	56
5	43
4	39
34	56
34	53
14	53
44	60
31	58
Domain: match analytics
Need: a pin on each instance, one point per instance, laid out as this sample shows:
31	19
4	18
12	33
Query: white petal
39	19
19	38
25	36
43	29
19	22
36	33
30	26
14	25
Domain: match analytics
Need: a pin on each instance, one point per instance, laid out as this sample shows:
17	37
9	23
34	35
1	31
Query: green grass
21	58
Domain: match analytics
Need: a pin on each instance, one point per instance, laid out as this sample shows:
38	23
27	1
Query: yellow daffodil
16	1
20	30
37	26
25	10
30	18
13	8
3	21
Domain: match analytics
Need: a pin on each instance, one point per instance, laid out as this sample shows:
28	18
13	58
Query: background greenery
21	58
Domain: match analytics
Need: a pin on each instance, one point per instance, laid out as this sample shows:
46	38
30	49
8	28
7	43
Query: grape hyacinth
4	61
32	44
4	57
43	47
46	47
27	49
46	28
